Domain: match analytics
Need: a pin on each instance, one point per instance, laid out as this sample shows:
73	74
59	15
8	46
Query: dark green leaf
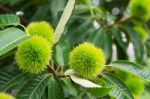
69	87
55	89
44	10
56	6
34	88
118	37
82	29
61	52
102	39
135	39
10	76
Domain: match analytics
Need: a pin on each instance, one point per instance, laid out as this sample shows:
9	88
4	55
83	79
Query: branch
4	9
7	10
53	70
55	74
121	21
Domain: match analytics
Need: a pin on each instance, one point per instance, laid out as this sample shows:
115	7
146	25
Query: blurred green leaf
135	39
79	29
9	19
132	68
103	39
99	92
10	2
147	43
41	13
56	8
118	37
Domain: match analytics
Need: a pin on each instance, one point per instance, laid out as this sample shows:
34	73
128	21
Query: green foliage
6	96
12	78
42	29
141	31
64	19
55	90
124	76
136	85
34	88
61	53
15	35
100	92
106	45
120	90
82	1
132	68
87	61
9	19
81	81
33	55
53	59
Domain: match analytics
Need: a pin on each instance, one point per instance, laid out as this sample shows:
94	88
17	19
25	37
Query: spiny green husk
33	55
87	61
6	96
42	29
140	9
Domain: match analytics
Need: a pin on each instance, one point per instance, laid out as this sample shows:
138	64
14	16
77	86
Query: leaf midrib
116	86
30	96
12	79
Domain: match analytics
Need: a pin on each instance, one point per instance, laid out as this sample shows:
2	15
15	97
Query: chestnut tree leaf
11	38
64	18
9	19
132	68
120	90
81	81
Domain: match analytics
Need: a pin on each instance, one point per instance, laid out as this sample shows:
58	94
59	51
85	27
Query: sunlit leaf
65	17
132	68
11	38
